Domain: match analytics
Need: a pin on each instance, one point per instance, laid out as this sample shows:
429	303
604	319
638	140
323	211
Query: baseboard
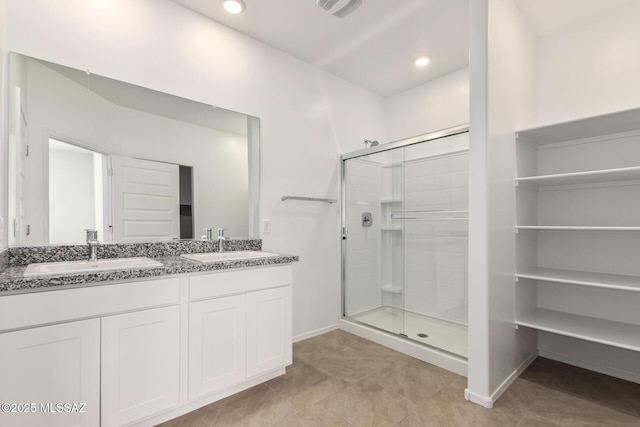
187	406
315	333
592	366
514	376
488	401
431	355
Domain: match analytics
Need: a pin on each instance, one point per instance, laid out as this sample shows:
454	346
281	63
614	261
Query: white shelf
391	165
391	289
574	228
388	201
399	229
619	122
603	175
617	334
583	278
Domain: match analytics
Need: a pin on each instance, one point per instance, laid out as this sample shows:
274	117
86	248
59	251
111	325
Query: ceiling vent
339	8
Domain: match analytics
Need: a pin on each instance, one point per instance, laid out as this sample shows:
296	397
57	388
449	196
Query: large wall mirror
89	152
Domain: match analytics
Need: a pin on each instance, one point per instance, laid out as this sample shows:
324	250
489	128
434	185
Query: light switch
266	226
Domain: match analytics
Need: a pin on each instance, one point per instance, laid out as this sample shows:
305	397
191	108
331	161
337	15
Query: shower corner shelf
391	289
390	201
387	228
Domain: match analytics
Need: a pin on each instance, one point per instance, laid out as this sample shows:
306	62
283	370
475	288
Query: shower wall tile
436	268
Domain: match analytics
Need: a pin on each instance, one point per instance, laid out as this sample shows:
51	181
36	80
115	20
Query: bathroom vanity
141	350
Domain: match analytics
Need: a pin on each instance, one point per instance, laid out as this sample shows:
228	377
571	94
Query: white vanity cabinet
119	366
142	352
140	366
47	366
239	327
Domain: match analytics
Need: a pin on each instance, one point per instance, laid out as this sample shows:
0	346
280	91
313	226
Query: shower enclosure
405	238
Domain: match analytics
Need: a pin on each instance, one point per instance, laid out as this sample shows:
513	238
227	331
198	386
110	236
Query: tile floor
338	379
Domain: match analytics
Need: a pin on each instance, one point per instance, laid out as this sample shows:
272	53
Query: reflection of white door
145	200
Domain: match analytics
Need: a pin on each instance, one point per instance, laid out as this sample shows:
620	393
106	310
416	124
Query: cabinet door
140	364
216	344
268	330
52	365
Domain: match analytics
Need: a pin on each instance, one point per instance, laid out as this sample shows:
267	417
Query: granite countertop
12	279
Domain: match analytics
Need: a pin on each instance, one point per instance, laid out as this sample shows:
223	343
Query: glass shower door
405	213
374	245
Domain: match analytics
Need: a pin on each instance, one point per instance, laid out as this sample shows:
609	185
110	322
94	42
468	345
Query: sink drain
421	335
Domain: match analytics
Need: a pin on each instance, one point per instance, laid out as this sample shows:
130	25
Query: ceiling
374	47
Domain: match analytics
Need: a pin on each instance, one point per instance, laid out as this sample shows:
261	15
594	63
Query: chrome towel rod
308	199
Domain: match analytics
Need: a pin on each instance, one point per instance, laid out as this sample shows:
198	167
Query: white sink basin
67	267
227	256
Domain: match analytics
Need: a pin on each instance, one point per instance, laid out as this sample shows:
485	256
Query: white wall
439	104
3	128
503	100
72	185
307	116
591	68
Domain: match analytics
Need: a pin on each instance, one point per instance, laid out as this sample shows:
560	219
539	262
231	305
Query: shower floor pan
443	335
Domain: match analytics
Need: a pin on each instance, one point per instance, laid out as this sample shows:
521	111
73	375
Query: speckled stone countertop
25	255
12	279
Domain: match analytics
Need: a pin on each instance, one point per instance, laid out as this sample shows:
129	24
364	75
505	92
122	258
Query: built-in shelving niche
578	229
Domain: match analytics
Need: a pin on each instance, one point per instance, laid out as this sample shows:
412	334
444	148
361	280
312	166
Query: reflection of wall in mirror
62	108
76	184
17	209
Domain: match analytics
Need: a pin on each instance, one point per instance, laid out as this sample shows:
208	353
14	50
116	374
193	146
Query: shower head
369	143
339	8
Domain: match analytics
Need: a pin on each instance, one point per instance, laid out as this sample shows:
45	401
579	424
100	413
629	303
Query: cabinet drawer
212	285
78	303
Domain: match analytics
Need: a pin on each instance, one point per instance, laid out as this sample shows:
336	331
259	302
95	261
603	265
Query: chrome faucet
208	234
93	242
221	239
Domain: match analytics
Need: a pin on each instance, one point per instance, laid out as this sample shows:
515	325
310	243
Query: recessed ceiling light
421	61
234	6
